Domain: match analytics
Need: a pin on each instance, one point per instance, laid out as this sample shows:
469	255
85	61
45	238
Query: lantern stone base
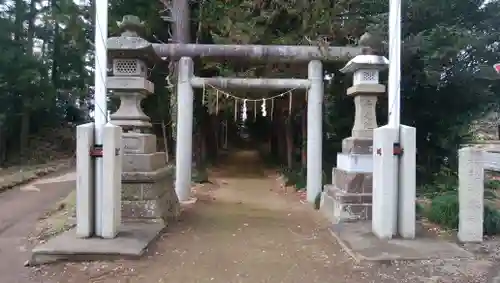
148	192
155	201
349	198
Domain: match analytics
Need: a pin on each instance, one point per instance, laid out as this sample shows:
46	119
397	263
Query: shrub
444	210
419	210
199	175
295	177
490	189
444	181
491	225
317	201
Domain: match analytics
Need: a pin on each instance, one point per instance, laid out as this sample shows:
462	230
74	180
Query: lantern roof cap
366	62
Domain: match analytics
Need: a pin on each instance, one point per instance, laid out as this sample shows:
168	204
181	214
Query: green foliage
43	69
491	188
444	181
419	209
200	175
444	210
295	177
442	50
491	224
444	43
317	201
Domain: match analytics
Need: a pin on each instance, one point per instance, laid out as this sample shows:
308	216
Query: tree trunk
165	140
289	141
282	139
3	145
26	111
304	139
19	15
24	131
216	133
55	50
203	151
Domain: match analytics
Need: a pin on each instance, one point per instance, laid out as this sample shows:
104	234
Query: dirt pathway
246	230
20	209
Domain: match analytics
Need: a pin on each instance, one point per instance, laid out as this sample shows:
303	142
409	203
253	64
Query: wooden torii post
315	55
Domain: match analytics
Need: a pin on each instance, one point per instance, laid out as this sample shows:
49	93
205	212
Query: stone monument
147	180
473	160
349	197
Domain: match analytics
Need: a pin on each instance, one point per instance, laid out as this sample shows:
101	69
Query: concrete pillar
394	182
109	215
407	182
85	201
385	182
470	194
184	139
314	131
111	195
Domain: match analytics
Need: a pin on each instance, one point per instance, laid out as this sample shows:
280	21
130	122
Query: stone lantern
130	56
349	198
365	89
147	180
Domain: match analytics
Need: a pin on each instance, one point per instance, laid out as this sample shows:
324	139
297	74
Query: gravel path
246	229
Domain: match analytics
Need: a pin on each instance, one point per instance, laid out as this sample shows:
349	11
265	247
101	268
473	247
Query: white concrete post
85	201
470	195
385	182
314	130
184	129
407	182
111	195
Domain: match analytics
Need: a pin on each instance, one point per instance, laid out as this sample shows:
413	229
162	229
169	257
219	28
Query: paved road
20	209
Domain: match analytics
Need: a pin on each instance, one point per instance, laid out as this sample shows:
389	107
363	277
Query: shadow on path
240	230
245	229
243	164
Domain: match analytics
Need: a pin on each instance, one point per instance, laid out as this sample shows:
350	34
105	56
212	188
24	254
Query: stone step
138	143
143	162
338	212
145	191
357	145
352	182
148	176
349	198
360	163
165	208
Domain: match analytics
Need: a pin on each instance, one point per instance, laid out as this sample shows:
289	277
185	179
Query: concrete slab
131	242
361	244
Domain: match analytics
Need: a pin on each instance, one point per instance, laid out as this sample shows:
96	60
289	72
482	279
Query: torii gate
313	84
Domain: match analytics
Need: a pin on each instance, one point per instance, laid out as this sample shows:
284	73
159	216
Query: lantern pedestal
349	197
